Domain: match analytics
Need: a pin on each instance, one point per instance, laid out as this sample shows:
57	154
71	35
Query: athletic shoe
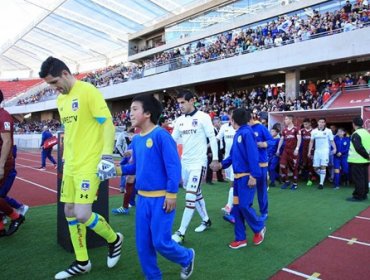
336	187
320	187
122	189
23	209
188	270
3	233
259	237
203	226
294	187
309	183
74	270
229	218
178	237
121	211
285	185
238	244
226	210
114	251
15	224
41	168
272	185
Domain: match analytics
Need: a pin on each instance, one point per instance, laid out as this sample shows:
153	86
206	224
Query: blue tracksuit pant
262	192
243	210
46	153
272	168
340	163
153	234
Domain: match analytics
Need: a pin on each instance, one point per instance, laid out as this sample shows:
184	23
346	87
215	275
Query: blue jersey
244	153
262	135
156	162
342	145
272	146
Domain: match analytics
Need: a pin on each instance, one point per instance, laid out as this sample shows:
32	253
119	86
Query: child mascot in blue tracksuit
245	161
342	142
273	160
157	167
262	137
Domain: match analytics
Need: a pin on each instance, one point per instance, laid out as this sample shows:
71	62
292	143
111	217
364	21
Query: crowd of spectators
32	126
282	30
37	97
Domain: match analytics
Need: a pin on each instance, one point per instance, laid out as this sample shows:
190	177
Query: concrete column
292	84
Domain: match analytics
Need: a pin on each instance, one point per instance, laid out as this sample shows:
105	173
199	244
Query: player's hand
106	168
261	145
333	152
339	154
296	152
215	166
277	154
2	172
169	204
128	153
252	182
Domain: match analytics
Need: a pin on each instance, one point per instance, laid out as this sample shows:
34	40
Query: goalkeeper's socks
77	232
98	224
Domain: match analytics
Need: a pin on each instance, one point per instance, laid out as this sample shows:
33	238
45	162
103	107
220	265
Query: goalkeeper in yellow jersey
88	147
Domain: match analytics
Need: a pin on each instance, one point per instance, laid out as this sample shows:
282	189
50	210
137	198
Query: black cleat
188	270
320	187
14	225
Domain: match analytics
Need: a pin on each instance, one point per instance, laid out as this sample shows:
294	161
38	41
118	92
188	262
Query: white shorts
192	177
229	173
320	158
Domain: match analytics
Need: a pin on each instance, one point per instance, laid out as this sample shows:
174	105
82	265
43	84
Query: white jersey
121	143
322	139
227	133
192	131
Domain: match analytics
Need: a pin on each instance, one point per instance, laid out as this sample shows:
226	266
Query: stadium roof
86	34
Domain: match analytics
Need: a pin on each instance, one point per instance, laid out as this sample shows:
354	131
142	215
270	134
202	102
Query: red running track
35	187
343	255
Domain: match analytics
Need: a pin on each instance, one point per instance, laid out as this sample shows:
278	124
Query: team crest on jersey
6	125
149	143
239	139
195	122
74	104
85	185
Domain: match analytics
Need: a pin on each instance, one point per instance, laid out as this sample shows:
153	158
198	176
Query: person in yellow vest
359	159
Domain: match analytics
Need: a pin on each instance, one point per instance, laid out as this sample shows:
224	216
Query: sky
15	16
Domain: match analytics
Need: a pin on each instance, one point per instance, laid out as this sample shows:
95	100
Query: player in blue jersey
262	137
342	142
158	173
244	159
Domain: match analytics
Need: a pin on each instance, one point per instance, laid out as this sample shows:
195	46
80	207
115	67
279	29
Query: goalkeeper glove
106	168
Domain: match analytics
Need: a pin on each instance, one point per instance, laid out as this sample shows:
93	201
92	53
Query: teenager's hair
241	116
307	120
151	105
322	118
162	120
53	66
290	117
186	94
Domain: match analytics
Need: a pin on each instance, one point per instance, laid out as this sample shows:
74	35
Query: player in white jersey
323	139
192	129
226	134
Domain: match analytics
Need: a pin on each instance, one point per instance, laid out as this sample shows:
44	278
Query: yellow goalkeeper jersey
82	111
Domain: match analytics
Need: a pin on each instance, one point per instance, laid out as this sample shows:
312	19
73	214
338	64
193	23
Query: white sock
186	218
322	176
200	204
230	198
